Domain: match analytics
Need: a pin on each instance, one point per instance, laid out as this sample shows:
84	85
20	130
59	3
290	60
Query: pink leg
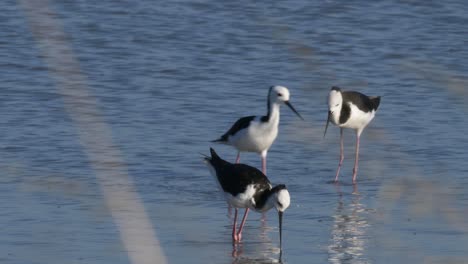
238	157
239	233
237	161
264	156
341	155
356	161
264	169
234	234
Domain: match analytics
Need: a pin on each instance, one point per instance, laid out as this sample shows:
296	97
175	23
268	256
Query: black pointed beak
326	125
280	217
294	110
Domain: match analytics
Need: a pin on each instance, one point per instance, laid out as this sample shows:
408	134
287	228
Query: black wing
238	125
361	101
234	178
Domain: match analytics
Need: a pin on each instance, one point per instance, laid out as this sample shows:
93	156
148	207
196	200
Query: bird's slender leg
234	234
341	155
356	160
229	205
263	154
239	233
238	157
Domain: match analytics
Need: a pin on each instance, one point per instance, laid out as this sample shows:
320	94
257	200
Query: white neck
274	113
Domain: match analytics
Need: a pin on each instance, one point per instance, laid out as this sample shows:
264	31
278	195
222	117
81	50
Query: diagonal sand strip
136	231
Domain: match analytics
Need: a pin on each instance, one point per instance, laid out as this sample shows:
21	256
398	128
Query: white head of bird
278	95
335	101
283	200
279	199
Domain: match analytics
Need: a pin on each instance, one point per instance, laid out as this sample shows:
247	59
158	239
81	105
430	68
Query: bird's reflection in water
240	259
257	250
348	238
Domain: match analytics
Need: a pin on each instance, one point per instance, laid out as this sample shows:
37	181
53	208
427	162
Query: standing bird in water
257	133
247	187
348	109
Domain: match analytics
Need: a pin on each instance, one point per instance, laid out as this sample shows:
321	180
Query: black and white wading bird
257	133
247	187
349	109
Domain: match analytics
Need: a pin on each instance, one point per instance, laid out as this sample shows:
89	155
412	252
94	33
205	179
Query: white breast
259	136
358	119
242	200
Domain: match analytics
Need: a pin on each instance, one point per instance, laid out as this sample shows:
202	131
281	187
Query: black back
240	124
234	178
361	101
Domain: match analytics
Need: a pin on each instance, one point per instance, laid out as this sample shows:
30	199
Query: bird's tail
222	139
214	156
215	160
375	101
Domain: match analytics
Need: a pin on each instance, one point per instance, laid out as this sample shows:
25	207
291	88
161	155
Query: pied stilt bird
257	133
247	187
349	109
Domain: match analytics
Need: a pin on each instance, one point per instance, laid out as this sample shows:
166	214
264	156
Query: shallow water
169	77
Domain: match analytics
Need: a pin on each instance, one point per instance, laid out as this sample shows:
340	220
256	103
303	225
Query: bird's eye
280	94
337	104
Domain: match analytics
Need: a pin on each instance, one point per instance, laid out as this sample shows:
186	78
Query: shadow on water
350	225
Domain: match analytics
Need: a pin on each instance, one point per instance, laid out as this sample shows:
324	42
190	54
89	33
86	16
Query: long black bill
328	121
280	217
294	110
